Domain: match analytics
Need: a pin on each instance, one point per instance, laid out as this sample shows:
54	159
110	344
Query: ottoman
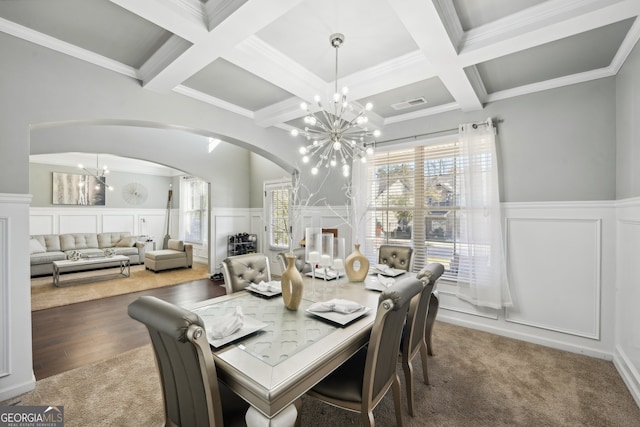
166	259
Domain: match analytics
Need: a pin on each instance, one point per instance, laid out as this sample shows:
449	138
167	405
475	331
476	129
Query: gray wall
556	145
628	127
262	170
41	186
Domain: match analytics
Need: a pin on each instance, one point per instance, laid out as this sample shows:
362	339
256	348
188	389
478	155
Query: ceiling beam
248	18
438	42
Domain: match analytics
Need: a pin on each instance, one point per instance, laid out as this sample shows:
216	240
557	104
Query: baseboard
591	352
18	389
629	375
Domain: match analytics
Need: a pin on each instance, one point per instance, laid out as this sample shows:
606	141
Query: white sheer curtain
482	273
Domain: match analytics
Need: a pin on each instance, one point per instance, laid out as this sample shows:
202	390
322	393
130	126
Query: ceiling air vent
410	103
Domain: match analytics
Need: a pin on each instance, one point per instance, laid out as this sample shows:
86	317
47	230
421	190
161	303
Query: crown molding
626	47
57	45
219	10
422	113
551	84
211	100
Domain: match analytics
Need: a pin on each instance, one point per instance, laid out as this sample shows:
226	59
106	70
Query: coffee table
69	266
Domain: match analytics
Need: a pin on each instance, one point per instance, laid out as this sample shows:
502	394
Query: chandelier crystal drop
337	134
99	174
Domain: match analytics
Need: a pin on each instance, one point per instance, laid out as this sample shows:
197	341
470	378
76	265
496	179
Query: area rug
477	379
90	285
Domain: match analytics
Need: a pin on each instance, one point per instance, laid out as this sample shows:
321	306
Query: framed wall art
76	189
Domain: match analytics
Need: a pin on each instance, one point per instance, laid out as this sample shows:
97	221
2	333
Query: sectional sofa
46	248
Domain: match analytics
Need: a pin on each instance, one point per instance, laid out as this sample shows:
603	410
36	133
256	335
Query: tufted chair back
301	265
400	257
241	270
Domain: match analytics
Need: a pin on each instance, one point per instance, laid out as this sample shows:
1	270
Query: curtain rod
414	137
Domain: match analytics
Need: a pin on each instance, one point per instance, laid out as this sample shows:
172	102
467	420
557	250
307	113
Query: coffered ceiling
411	58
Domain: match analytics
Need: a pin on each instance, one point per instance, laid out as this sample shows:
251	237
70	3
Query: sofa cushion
176	245
69	242
126	251
110	240
126	242
47	257
35	247
165	254
49	241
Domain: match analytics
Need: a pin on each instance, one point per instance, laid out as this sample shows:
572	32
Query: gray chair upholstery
395	256
193	396
364	379
301	264
241	270
414	337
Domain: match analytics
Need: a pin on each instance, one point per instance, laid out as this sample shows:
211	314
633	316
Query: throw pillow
36	247
126	242
176	245
74	255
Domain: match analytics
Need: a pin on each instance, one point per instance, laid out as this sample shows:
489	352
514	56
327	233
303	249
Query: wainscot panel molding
16	365
626	356
225	222
78	219
561	266
5	305
570	248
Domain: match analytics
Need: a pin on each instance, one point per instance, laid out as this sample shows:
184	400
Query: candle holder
339	253
312	251
326	257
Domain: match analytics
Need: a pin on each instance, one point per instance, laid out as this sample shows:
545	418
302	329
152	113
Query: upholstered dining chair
364	379
414	336
396	256
193	396
241	270
301	264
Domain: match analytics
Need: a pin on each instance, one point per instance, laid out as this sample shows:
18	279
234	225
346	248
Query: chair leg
423	357
434	303
407	368
397	400
298	405
367	419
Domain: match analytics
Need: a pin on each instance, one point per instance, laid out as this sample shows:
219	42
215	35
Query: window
195	210
277	196
415	201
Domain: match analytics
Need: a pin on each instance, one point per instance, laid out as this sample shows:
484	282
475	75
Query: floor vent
410	103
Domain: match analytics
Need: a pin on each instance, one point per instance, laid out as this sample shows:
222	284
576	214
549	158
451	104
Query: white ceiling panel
373	34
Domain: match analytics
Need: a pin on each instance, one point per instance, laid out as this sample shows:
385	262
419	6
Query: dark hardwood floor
79	334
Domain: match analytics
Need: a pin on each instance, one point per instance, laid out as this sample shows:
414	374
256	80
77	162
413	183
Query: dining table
280	353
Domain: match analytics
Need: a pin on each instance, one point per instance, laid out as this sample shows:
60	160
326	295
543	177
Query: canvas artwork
76	189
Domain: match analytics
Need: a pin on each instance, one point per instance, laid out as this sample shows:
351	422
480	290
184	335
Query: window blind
415	201
277	200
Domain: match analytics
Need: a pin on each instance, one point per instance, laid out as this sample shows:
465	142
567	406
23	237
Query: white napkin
226	325
263	286
386	281
384	268
343	306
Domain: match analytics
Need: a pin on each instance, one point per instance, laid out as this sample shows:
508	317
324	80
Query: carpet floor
477	379
92	285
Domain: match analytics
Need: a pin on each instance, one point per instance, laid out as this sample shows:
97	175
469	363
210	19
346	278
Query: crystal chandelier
99	174
338	133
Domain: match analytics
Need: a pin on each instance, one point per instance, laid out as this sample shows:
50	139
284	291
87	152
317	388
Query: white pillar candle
338	264
325	260
314	257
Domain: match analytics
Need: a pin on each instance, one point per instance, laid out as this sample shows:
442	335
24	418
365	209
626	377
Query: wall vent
410	103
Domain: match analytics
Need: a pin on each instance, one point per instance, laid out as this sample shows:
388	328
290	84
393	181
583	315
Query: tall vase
356	265
292	285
